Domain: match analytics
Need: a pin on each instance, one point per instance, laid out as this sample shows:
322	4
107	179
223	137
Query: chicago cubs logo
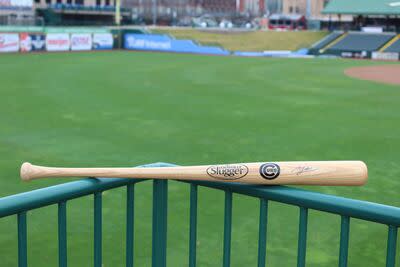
270	170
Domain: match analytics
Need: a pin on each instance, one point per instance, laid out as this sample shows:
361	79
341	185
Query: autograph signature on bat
302	169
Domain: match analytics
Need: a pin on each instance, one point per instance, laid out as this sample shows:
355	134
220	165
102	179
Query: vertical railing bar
302	241
97	229
193	226
159	234
262	232
130	213
344	240
227	229
22	240
391	246
62	234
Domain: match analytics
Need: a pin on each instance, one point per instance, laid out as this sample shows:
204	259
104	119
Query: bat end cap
26	171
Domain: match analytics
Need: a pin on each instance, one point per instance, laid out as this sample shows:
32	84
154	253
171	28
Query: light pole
308	9
154	12
118	12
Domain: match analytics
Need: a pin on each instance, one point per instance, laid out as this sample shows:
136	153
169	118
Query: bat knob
26	171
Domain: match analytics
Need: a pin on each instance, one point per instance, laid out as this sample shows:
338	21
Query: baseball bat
272	173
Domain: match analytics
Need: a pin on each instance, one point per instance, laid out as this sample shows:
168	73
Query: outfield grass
128	108
247	41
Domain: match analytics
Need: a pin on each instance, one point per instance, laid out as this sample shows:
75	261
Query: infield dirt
389	74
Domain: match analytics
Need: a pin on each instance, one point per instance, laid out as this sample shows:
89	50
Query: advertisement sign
57	42
147	42
385	56
9	42
362	54
103	41
38	42
81	41
25	44
159	42
372	29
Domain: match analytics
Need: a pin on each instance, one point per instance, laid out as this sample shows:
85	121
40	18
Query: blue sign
38	42
155	42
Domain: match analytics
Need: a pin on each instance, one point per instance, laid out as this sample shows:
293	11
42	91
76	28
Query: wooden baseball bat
273	173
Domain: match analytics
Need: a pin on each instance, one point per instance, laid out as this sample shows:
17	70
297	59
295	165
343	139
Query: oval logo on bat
228	172
270	170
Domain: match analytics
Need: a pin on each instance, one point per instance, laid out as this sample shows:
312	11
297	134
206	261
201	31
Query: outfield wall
38	42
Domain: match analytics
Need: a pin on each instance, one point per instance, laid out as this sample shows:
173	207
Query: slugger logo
228	172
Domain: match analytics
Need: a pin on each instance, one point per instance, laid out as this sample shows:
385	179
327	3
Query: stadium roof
363	7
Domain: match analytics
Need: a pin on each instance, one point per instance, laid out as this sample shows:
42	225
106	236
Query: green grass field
128	108
247	41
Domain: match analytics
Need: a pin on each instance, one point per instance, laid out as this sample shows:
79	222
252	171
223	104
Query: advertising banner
38	42
9	42
103	41
159	42
391	56
25	44
57	42
81	41
147	42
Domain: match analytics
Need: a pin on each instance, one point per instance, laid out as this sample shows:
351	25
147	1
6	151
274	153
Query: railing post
62	234
193	226
262	232
22	240
344	241
97	229
159	235
391	246
302	242
130	198
227	229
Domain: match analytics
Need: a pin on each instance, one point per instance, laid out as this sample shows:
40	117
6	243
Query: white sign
103	41
81	41
9	42
57	42
17	3
385	56
25	42
372	29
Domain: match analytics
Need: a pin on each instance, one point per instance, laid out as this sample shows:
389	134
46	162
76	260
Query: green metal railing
22	203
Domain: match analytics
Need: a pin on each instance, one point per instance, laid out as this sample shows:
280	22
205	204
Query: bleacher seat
325	41
395	47
358	42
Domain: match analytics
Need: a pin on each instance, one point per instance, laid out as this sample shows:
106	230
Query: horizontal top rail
54	194
294	196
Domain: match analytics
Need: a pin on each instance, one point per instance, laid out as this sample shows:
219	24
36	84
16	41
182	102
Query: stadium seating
395	47
325	41
358	42
79	7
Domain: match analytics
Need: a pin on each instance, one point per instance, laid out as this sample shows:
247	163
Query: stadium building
376	15
92	12
16	12
78	12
